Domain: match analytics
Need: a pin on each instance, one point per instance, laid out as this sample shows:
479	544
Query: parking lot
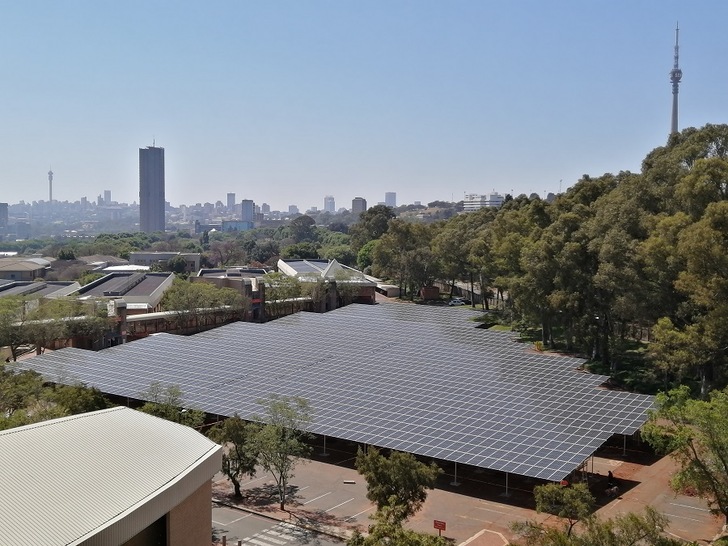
328	494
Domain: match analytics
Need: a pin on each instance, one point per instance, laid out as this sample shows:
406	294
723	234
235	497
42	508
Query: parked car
456	301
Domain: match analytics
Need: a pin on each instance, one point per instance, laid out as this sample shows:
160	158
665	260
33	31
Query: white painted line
360	513
340	504
691	507
277	534
496	511
273	540
681	517
472	538
253	481
480	533
258	542
233	521
317	498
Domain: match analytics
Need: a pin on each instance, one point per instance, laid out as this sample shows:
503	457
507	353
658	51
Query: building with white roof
108	477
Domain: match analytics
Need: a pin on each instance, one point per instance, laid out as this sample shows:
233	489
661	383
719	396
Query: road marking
692	507
682	517
274	540
352	518
255	480
277	534
340	504
254	541
317	498
480	533
233	521
491	510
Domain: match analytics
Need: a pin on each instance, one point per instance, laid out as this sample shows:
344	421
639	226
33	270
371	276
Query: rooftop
68	479
425	380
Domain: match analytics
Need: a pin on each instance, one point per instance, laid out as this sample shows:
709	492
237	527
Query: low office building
344	278
142	292
110	477
34	290
244	280
24	269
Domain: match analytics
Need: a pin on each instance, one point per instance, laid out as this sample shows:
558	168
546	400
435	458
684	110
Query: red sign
440	525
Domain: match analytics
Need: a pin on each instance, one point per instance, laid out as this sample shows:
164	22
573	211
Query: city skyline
286	103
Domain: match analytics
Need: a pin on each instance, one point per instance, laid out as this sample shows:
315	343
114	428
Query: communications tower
675	77
50	186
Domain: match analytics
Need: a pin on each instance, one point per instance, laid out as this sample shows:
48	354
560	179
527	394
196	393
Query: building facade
473	202
248	212
329	204
390	199
231	201
151	189
358	205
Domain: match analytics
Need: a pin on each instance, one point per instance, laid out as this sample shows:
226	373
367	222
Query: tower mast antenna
675	77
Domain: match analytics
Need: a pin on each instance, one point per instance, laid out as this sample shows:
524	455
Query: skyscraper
107	197
329	204
3	215
675	77
248	211
230	201
358	205
390	199
151	189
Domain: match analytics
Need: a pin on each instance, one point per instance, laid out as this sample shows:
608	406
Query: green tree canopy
399	481
631	529
372	224
281	441
572	503
168	403
695	433
240	455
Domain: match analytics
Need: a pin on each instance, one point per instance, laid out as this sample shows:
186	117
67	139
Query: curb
344	536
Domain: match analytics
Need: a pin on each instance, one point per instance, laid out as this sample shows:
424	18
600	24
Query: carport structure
419	379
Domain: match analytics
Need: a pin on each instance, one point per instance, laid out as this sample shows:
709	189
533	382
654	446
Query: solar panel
406	377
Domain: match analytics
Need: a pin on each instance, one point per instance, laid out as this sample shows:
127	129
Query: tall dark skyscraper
675	77
151	189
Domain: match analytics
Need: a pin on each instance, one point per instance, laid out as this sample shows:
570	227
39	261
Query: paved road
253	530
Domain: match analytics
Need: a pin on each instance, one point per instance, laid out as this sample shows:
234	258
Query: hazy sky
287	101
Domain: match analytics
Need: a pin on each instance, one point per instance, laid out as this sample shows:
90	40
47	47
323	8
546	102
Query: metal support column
455	482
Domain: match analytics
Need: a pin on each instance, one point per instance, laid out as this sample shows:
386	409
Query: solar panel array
419	379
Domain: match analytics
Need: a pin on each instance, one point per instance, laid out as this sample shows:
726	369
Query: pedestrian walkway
281	534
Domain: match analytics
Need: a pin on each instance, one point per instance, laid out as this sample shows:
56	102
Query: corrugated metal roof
67	479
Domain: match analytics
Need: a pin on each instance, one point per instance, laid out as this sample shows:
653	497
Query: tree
18	390
191	300
388	529
12	311
302	228
372	224
629	529
572	503
66	253
281	442
280	290
240	455
302	251
78	398
168	403
399	482
695	432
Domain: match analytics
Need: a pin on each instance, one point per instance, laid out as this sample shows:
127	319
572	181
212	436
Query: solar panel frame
405	377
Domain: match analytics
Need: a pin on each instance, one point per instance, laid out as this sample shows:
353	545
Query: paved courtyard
330	496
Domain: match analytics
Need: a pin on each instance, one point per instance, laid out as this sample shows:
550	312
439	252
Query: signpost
440	526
